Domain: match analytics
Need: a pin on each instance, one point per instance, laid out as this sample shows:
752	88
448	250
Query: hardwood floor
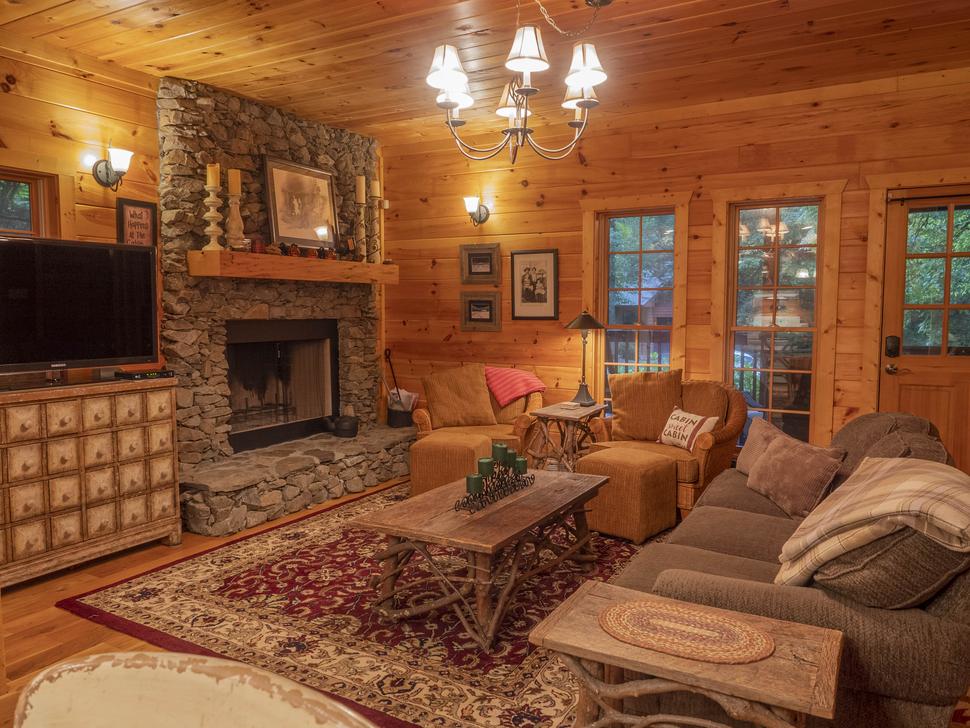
38	634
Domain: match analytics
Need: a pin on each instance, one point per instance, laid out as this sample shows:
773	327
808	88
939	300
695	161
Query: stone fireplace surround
199	124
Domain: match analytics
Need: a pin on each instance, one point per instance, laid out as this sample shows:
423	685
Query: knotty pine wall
908	123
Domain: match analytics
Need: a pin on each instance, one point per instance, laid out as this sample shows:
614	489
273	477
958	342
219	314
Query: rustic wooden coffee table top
801	675
431	517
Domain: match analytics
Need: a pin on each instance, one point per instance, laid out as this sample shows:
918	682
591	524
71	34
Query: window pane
959	280
796	308
794	425
754	387
658	270
624	271
796	267
961	229
755	226
621	346
654	347
15	212
752	349
756	268
793	350
658	232
656	308
801	223
922	331
755	308
623	307
925	280
624	233
926	231
791	391
958	337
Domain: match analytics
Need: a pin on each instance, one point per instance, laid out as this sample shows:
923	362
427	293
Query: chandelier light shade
527	54
585	70
446	71
580	98
510	107
455	98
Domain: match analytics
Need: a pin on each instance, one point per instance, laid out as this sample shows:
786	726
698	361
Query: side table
563	447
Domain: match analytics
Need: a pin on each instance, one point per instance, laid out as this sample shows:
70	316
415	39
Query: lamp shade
585	69
580	98
446	71
585	321
527	54
120	159
506	105
458	97
471	204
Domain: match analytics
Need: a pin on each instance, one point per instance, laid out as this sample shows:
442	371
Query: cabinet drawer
98	450
159	404
62	456
160	438
100	485
101	520
134	511
96	413
161	471
128	409
64	492
22	423
163	504
28	539
63	418
24	462
131	444
25	501
132	478
66	529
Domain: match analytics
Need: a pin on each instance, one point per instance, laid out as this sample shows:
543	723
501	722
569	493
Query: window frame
44	212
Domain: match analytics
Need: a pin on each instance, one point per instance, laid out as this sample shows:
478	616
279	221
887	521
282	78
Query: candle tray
501	483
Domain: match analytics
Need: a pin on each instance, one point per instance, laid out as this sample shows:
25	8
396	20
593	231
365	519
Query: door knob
892	369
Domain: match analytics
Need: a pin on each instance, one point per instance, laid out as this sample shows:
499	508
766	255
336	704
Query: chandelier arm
463	145
566	148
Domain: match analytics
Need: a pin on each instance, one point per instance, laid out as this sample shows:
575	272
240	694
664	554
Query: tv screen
66	304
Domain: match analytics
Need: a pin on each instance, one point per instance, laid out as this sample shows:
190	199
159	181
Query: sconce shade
471	204
446	71
506	105
108	172
527	54
455	98
585	70
580	98
585	321
120	159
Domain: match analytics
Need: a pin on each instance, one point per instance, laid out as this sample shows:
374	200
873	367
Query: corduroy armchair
513	422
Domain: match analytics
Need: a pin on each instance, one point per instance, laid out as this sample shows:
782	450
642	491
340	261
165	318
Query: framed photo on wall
535	284
301	203
481	263
481	311
136	222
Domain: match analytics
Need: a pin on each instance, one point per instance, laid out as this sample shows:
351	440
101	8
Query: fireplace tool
399	415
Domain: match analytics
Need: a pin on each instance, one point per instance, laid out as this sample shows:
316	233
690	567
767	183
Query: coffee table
799	678
499	548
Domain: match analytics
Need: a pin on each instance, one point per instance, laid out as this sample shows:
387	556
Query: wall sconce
477	211
108	172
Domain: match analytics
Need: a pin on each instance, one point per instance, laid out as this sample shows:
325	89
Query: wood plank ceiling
361	63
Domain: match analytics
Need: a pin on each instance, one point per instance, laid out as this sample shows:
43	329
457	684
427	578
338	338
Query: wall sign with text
137	222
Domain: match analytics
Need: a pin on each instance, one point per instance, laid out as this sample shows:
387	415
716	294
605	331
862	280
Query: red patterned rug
295	600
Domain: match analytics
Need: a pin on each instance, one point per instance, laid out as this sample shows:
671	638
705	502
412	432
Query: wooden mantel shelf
227	264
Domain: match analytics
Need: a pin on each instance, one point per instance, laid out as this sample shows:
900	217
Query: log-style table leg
484	606
389	574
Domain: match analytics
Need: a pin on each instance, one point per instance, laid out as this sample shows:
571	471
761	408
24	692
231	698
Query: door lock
892	369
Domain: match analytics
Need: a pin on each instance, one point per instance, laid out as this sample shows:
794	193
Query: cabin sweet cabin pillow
682	428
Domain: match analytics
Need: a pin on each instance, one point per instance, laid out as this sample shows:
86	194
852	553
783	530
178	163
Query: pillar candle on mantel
235	181
361	192
375	188
212	175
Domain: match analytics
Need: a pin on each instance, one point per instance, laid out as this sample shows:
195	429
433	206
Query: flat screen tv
69	305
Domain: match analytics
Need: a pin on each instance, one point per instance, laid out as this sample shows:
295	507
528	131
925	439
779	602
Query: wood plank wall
915	122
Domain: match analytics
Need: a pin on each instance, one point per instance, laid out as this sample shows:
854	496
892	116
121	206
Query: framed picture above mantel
535	284
301	203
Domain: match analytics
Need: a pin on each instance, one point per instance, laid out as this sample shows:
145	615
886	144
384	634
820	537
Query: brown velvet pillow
642	402
760	434
794	475
459	397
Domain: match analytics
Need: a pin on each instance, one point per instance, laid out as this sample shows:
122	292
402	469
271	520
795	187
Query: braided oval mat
685	631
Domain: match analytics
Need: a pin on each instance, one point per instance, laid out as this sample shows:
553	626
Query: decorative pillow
898	571
890	446
794	475
642	402
760	435
922	447
682	428
458	397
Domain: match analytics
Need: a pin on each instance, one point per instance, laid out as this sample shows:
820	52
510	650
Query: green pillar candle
510	456
473	483
521	465
486	466
498	451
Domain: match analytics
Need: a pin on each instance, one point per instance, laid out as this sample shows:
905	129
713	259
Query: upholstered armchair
512	422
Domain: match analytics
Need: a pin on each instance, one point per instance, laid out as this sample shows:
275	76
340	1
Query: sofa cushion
458	397
953	602
891	446
858	435
498	433
922	446
642	402
733	532
794	474
682	428
687	466
655	558
900	570
730	490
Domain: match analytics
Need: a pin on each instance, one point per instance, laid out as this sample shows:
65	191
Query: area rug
295	600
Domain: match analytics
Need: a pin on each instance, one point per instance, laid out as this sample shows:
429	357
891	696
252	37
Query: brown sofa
901	668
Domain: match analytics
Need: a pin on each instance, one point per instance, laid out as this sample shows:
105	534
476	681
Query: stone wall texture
198	125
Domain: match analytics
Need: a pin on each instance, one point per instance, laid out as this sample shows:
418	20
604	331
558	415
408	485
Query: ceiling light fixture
526	57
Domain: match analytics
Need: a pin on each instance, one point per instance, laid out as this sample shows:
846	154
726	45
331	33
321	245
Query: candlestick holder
373	208
234	225
503	481
213	217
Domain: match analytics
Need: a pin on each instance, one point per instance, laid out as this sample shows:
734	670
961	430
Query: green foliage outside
15	211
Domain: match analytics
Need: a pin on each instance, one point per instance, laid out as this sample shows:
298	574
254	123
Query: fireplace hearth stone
255	486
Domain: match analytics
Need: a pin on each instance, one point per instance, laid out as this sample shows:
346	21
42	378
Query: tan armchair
513	422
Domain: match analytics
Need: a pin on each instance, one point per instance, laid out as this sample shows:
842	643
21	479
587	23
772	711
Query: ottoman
443	457
639	500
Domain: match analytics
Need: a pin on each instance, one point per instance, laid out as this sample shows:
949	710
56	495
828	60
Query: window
639	293
19	204
771	360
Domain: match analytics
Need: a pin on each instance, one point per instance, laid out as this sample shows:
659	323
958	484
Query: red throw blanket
508	385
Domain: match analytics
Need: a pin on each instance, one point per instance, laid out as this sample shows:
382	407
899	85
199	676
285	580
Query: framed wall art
535	284
301	203
481	263
481	311
136	222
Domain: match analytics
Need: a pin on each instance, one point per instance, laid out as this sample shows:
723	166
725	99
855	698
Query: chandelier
526	58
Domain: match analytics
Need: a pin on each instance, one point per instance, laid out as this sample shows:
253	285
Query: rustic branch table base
561	435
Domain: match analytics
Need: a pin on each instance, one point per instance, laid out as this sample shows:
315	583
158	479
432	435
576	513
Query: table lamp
584	322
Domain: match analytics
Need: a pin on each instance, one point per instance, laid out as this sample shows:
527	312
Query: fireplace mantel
227	264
